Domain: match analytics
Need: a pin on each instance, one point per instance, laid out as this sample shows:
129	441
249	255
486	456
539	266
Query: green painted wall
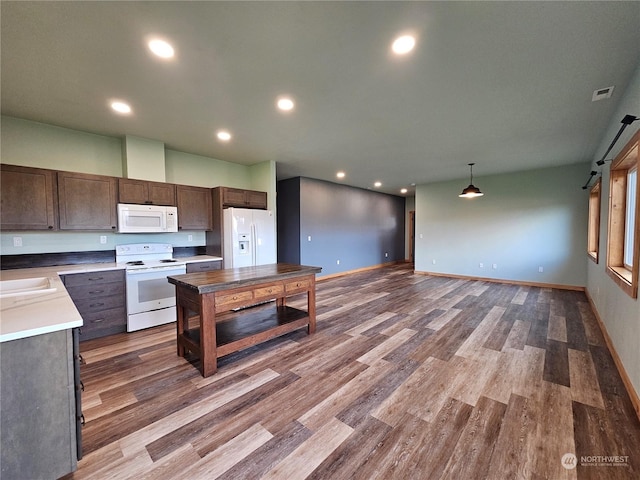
40	145
47	146
526	220
619	312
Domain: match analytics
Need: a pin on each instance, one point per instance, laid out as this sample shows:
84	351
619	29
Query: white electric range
151	299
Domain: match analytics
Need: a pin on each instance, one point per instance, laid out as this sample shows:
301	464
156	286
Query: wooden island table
215	300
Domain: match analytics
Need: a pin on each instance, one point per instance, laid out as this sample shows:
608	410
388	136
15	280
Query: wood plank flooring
408	377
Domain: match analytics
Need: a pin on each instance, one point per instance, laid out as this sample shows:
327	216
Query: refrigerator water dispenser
243	244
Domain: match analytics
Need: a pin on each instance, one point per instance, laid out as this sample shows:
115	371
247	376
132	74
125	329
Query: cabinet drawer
272	291
104	323
87	292
298	286
91	305
234	298
92	278
106	318
204	266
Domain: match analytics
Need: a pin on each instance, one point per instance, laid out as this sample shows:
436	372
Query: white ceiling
506	85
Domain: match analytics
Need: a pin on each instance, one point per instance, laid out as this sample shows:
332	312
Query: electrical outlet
433	261
17	241
337	262
309	238
103	239
494	266
540	269
190	238
421	236
481	265
386	254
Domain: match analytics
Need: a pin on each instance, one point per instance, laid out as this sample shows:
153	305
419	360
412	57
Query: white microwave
147	218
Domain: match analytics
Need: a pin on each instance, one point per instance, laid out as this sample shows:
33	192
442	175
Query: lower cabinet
100	298
40	416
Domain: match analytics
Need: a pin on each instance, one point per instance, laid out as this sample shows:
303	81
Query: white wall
525	221
619	312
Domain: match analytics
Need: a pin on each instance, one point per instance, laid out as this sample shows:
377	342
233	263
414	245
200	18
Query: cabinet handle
97	320
148	202
99	304
50	227
81	386
81	417
113	227
95	279
81	359
96	291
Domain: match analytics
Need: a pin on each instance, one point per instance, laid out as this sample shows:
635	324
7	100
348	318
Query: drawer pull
96	291
81	418
99	304
95	279
97	320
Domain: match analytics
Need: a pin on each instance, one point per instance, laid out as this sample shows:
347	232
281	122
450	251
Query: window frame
593	239
626	160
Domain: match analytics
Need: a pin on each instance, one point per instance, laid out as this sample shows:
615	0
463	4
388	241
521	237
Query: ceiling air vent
601	94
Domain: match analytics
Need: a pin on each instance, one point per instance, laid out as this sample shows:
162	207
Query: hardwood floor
408	377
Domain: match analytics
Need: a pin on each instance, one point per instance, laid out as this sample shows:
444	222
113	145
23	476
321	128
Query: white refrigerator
249	237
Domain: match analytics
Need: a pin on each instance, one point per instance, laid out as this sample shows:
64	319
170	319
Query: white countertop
23	316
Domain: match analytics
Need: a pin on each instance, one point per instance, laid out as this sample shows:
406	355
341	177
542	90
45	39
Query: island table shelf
216	299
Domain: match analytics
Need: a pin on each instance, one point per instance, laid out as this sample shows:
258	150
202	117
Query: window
630	217
623	244
594	221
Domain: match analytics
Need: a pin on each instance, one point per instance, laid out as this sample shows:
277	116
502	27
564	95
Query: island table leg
208	353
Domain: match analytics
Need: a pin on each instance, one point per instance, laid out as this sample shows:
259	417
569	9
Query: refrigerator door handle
254	246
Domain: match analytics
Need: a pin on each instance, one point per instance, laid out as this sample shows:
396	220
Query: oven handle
170	271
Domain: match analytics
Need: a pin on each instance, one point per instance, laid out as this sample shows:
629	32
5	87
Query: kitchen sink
25	286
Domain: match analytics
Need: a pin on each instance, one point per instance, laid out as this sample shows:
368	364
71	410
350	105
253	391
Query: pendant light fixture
471	191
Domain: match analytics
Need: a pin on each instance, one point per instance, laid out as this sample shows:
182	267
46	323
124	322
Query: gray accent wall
525	221
359	228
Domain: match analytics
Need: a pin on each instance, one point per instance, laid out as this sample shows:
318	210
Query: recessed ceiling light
377	184
161	48
403	45
121	107
340	174
285	104
403	190
223	135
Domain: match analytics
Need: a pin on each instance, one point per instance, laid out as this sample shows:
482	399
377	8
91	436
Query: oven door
148	289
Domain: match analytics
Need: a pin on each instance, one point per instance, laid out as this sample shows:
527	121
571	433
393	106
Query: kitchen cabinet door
194	208
144	192
29	198
87	202
236	197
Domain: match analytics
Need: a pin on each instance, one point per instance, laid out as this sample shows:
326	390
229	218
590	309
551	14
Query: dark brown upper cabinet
236	197
29	198
194	208
87	202
145	192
